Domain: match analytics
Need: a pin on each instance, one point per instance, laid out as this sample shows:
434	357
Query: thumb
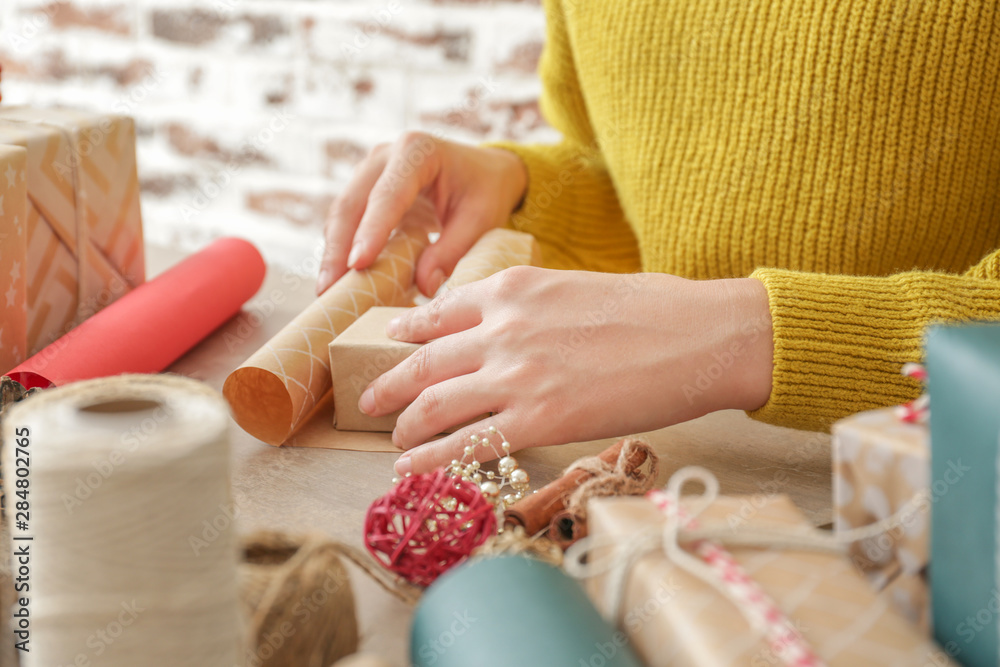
439	259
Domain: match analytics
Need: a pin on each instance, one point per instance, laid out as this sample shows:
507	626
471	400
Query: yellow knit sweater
847	154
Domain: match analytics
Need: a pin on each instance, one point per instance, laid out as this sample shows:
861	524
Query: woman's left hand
566	356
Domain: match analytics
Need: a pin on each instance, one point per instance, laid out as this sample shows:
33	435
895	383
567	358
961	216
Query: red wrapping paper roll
152	326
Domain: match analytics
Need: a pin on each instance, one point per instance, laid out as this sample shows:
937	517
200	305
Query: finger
440	453
449	313
345	214
442	406
412	166
460	232
440	360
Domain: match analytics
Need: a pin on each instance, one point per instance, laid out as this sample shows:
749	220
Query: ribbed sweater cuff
841	341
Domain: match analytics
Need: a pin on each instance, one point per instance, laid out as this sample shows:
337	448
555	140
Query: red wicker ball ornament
427	524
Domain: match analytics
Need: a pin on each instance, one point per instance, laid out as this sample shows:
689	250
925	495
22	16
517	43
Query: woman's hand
565	356
472	189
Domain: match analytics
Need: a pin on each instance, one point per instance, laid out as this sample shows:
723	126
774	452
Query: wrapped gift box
13	232
358	356
879	464
84	230
675	618
963	364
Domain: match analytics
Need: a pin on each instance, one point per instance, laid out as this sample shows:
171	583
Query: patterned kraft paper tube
278	388
152	326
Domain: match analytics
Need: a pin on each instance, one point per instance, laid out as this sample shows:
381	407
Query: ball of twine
297	594
427	524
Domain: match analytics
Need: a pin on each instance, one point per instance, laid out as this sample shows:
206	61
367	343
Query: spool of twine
124	472
297	596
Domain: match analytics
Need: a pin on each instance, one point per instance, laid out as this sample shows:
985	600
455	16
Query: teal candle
963	365
512	610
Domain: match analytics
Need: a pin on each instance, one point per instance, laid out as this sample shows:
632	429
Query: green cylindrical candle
512	610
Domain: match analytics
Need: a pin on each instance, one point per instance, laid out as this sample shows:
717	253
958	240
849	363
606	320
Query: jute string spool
123	473
297	596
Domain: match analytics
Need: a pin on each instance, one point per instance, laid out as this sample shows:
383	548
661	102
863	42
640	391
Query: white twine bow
708	560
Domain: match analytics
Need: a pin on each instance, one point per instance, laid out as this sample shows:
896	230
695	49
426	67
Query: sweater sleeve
841	341
570	206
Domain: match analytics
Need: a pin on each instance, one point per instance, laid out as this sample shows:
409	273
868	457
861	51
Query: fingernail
355	255
323	281
367	401
392	328
403	465
437	279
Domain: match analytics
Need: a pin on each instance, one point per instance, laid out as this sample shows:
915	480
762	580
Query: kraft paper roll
134	557
155	324
512	610
495	251
276	389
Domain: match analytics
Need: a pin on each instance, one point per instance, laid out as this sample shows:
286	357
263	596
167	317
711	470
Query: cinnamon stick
535	511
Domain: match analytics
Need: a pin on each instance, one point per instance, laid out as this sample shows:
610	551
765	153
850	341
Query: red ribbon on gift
763	614
918	410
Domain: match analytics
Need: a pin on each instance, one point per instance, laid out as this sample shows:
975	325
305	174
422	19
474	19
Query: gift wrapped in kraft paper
881	465
13	253
693	602
287	383
84	229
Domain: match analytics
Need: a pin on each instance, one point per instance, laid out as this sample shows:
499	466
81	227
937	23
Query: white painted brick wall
335	77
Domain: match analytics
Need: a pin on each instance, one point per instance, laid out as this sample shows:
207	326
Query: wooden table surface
301	490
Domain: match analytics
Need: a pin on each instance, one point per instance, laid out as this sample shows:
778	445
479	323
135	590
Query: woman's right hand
472	189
